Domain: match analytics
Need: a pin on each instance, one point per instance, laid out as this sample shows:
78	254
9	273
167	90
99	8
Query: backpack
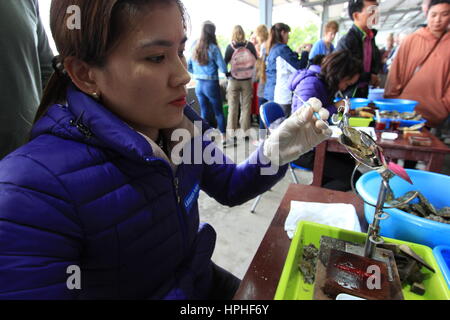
242	63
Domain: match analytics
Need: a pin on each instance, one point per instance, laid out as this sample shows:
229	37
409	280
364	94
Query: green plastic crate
292	287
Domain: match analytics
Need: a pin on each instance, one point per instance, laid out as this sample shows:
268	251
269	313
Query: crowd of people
88	179
393	67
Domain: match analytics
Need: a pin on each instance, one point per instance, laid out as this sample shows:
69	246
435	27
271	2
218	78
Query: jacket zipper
175	185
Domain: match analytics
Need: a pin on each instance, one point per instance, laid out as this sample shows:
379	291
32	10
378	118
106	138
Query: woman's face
144	79
347	82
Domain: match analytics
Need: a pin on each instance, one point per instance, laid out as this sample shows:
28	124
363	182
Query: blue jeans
210	100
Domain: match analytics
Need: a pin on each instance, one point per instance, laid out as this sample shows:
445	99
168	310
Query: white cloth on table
340	215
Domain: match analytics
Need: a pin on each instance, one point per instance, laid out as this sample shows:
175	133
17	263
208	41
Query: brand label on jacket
192	197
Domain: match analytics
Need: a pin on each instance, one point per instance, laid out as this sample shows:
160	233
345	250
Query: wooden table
261	280
400	148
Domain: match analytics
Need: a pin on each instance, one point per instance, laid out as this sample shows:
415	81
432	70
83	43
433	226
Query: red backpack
242	63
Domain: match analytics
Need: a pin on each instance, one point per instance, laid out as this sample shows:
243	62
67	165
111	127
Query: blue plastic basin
376	94
359	102
402	225
399	105
442	255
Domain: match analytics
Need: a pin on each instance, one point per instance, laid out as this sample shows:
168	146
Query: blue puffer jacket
91	192
307	84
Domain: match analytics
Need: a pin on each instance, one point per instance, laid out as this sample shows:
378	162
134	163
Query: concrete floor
239	232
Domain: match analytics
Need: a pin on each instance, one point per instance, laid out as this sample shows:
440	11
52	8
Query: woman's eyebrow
160	43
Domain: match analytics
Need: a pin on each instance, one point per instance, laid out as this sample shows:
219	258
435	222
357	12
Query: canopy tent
395	15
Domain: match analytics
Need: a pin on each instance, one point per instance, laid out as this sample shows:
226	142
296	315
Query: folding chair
269	113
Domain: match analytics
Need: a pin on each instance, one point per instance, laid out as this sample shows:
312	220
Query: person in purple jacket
322	80
101	203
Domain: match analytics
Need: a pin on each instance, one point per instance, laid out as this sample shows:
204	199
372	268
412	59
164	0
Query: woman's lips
179	103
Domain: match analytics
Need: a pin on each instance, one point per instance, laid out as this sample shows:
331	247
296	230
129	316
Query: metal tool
366	151
316	114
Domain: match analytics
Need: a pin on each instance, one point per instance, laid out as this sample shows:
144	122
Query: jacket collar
362	33
85	120
314	68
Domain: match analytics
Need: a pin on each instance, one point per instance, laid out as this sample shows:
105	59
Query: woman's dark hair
207	38
317	59
275	34
337	66
103	24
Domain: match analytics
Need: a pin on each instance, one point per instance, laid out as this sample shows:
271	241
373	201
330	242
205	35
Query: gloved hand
298	134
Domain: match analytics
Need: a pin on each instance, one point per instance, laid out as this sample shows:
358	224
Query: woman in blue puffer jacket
102	202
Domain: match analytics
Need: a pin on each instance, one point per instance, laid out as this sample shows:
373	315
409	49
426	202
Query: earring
96	96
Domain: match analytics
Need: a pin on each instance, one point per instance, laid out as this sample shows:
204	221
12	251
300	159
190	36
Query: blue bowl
442	255
402	225
359	103
399	105
376	94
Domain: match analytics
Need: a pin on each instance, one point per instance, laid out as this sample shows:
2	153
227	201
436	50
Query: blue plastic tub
359	102
399	105
442	255
402	225
376	94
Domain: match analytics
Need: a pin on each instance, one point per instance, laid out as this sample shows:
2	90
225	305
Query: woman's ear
82	75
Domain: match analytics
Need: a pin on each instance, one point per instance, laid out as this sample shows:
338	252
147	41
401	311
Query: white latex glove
298	134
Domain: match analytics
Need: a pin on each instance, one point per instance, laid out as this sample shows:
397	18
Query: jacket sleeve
219	60
234	184
40	233
44	50
228	54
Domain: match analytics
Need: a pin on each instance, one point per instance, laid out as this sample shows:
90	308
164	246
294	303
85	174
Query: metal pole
374	228
265	12
325	17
